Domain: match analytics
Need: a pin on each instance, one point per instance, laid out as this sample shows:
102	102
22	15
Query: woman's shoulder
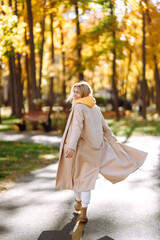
82	106
78	106
97	108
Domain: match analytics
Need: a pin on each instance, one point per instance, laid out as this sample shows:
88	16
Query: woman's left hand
69	153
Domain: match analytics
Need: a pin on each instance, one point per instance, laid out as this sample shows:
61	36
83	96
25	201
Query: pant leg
77	196
85	197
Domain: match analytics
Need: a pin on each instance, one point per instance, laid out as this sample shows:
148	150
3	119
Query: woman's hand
69	153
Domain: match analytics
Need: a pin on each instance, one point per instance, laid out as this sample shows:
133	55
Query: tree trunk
11	86
11	80
14	88
144	83
152	95
10	3
28	82
136	93
63	64
16	10
51	91
27	71
19	87
41	59
126	80
32	55
157	82
15	80
114	87
41	53
79	48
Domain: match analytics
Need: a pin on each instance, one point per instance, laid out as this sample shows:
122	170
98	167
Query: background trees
46	46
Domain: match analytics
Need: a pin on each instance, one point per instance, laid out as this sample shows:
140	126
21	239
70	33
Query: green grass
127	126
18	159
135	126
11	124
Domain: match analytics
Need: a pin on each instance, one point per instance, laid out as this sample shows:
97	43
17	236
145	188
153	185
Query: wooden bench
35	117
112	114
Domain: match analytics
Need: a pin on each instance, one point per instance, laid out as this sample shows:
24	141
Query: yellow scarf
89	101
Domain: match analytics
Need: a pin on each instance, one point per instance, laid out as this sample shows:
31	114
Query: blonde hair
84	89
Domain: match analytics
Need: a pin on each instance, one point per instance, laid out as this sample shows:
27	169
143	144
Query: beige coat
96	150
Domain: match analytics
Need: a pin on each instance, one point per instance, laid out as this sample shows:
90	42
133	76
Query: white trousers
85	197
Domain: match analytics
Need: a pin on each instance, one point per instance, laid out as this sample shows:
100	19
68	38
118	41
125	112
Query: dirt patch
4	186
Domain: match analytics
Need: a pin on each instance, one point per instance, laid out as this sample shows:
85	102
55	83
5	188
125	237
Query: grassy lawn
8	123
135	126
11	124
58	122
18	159
132	125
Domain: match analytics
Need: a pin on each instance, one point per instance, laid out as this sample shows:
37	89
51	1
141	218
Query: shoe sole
83	220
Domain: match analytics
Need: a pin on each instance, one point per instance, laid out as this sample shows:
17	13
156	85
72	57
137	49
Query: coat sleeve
106	128
77	126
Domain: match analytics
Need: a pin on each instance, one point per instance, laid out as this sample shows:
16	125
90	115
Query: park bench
113	114
35	117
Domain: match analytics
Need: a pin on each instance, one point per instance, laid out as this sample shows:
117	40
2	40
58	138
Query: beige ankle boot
83	217
77	205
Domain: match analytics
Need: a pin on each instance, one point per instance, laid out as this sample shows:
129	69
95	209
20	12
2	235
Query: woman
88	148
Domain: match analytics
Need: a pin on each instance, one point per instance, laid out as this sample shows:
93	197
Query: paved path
49	138
34	210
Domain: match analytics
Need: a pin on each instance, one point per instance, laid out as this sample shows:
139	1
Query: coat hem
122	179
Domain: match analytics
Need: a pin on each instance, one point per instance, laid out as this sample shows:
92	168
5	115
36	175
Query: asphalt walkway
49	138
34	210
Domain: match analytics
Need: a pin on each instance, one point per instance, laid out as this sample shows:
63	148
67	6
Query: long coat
95	151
